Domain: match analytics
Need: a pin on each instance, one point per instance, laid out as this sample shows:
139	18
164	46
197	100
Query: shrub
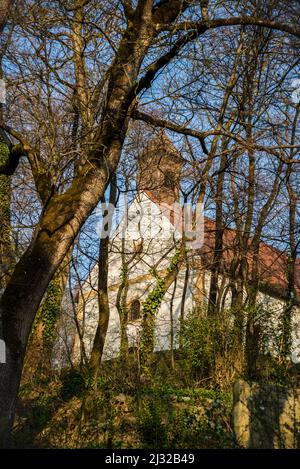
208	348
154	418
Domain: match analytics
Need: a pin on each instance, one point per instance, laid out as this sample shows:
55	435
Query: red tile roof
272	262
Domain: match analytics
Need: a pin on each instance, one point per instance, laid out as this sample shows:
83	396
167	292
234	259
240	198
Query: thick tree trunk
6	248
64	214
59	225
38	356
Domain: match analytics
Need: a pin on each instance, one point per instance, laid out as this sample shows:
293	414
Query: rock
120	398
122	402
186	399
266	416
241	414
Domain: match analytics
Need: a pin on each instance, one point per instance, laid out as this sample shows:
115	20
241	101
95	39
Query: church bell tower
159	168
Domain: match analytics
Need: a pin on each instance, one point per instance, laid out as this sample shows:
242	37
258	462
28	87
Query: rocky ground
51	416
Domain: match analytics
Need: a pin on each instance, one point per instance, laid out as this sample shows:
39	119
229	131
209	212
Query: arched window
135	310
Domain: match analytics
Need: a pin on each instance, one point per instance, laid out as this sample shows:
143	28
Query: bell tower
159	168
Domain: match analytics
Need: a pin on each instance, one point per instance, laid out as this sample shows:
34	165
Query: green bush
198	345
208	348
179	421
155	415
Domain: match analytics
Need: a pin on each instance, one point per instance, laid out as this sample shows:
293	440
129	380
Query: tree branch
14	133
127	7
181	129
146	80
195	29
156	121
240	20
41	174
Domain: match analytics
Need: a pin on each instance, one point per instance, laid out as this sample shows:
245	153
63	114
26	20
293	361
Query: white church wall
162	322
271	309
270	316
145	223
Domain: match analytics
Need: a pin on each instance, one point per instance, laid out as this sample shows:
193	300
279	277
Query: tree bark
64	214
103	301
6	247
38	357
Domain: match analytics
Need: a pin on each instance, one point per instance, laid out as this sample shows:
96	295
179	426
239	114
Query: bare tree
143	38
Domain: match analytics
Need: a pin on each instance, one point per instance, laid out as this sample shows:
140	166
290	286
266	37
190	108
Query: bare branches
153	69
246	144
139	115
17	135
194	26
196	29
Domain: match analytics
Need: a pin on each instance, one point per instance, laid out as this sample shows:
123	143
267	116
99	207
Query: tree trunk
287	313
172	336
103	303
18	306
218	247
38	357
151	306
121	305
6	248
64	214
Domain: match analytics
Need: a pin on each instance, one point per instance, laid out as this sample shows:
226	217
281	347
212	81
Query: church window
135	310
